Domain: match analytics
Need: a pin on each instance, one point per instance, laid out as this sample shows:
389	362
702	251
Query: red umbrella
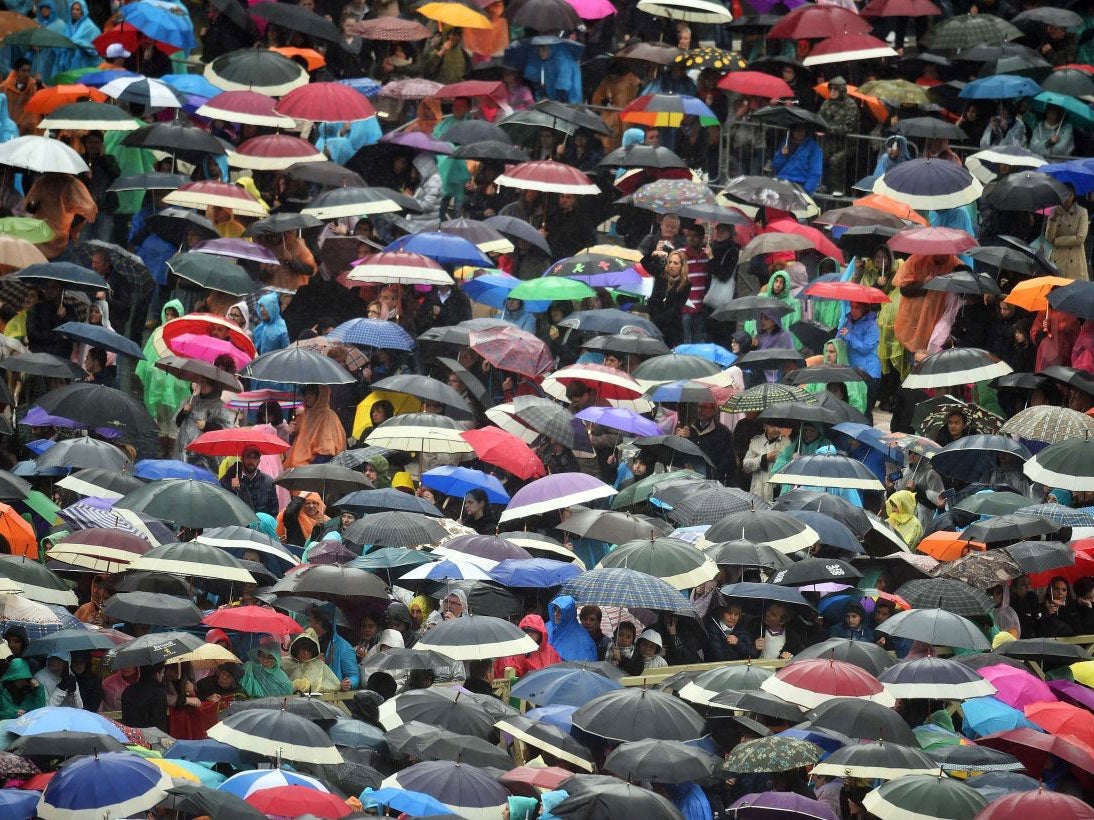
821	242
295	801
548	777
635	178
1036	803
847	48
275	152
1063	719
128	38
816	23
1083	566
325	102
846	292
756	84
252	619
548	176
233	442
900	8
932	241
514	350
1033	748
210	192
471	88
209	324
246	108
495	446
810	683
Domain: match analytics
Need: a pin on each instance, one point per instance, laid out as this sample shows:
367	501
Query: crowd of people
546	409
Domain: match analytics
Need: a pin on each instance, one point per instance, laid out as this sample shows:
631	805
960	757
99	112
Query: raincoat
82	32
383	472
453	171
920	310
59	199
856	391
545	655
804	165
309	676
271	334
786	296
341	149
779	338
568	636
886	162
34	698
319	432
900	509
162	391
889	349
804	448
262	682
306	523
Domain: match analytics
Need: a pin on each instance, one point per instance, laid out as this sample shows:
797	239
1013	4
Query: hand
785	656
552	332
1053	140
345	684
200	424
615	654
235	483
843	331
1046	48
214	698
731	640
61	312
760	644
785	151
448	616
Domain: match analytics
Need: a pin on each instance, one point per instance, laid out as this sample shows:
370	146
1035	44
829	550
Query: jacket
342	660
717	648
757	461
568	636
1066	232
144	704
804	165
544	656
716	442
271	334
256	491
34	698
862	339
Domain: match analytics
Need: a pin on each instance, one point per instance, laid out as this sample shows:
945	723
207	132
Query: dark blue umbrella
70	276
99	336
562	686
871	437
445	248
372	333
765	592
609	320
18	803
155	469
382	500
459	481
1078	173
970	457
1000	87
205	751
826	739
1076	299
534	573
832	533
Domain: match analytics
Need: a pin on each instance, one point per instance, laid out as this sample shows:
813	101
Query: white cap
653	636
115	50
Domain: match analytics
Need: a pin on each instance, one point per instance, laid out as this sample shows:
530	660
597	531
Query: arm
815	168
1070	241
863	337
753	461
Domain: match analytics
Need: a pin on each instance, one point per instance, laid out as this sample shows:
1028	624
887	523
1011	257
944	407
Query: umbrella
296	365
823	470
863	720
742	553
113	783
660	761
935	626
151	608
759	398
477	636
83	452
555	492
1016	687
676	562
193	558
1048	424
934	678
631	714
932	795
421	742
953	596
618	586
1026	191
361	502
971	457
275	733
505	450
451	709
188	503
464	788
566	684
867	656
331	582
547	176
37	582
708	685
876	760
614	527
320	102
929	185
770	755
815	571
705	507
513	350
781	804
968	30
810	683
252	619
776	529
65	744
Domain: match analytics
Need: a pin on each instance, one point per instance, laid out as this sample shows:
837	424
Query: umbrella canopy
953	596
148	650
193	558
37	582
933	796
566	684
776	529
117	784
477	636
632	714
867	656
676	562
938	627
934	678
876	760
275	733
810	683
929	185
189	503
151	608
862	719
770	755
555	492
618	586
465	789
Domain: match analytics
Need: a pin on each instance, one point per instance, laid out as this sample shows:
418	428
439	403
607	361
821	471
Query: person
477	514
90	684
144	702
622	651
714	439
82	31
920	310
649	649
204	410
302	519
800	160
762	452
567	227
841	117
263	676
565	632
58	682
252	486
861	334
480	677
515	314
854	626
592	619
893	153
20	692
19	86
727	637
777	638
545	655
221	685
884	609
1053	137
337	651
1005	128
1066	232
319	434
92	611
271	333
671	291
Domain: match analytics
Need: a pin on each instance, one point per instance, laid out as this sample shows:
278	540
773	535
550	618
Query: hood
246	311
901	506
216	636
775	320
566	605
633	136
799	276
534	622
18	669
841	349
173	303
838	82
391	638
399	613
272	303
787	285
305	637
425	165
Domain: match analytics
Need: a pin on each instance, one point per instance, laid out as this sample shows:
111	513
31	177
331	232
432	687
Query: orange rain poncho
319	432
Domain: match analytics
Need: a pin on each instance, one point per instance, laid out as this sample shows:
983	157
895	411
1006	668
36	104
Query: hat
115	50
653	636
402	480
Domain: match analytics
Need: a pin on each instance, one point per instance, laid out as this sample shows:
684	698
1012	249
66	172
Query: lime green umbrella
551	288
43	505
34	231
73	75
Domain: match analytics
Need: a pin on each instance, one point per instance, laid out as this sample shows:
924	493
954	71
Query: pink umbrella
592	9
1016	687
207	348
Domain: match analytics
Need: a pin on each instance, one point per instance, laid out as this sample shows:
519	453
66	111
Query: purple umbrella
37	417
555	492
419	141
487	546
331	551
628	277
765	6
619	418
237	249
781	806
1074	693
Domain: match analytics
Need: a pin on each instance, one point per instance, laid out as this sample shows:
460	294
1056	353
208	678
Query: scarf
262	682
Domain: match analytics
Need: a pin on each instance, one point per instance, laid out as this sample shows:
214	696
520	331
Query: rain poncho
568	636
900	509
454	172
161	389
776	338
271	334
383	472
34	698
43	60
82	32
523	664
558	76
319	432
886	162
804	448
856	391
340	148
785	296
920	310
306	523
265	682
312	675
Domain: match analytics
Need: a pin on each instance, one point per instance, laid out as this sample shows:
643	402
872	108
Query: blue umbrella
1077	111
76	639
562	686
988	715
205	751
160	22
99	336
155	469
245	783
445	248
555	715
407	802
1000	87
832	533
459	481
871	437
113	784
620	418
970	457
1078	173
18	803
372	333
492	289
364	85
64	719
825	739
95	79
710	351
994	785
385	499
446	571
534	573
194	85
28	469
40	445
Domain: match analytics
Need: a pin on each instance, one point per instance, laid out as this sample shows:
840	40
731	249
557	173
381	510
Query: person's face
670	227
858	310
647	648
416	613
347	519
369	628
893	151
567	201
90	364
830	354
674	265
626	637
772	432
171	313
778	285
774	617
809	433
591	623
731	616
461	107
315	623
45	12
653	138
611	360
454	605
77	12
1059	591
512	305
266	659
225	679
472	505
767	324
370	473
305	652
955	424
375	310
706	411
311	508
251	457
853	620
882	613
1020	586
236	315
310	399
534	635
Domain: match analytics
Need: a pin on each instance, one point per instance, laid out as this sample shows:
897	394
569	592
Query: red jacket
523	664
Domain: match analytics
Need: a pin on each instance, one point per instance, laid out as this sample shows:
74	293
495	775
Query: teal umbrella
1079	112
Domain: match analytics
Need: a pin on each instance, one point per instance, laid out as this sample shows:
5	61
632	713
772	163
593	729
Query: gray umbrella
862	720
83	452
547	418
740	553
395	529
937	627
516	228
710	506
661	761
154	648
638	714
954	596
612	527
151	608
865	655
468	379
424	387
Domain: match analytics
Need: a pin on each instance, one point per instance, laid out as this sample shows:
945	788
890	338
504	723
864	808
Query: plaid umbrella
968	30
929	416
670	195
548	418
770	754
395	529
1048	423
1008	528
711	506
372	333
759	398
982	570
37	619
1041	556
944	593
513	350
617	586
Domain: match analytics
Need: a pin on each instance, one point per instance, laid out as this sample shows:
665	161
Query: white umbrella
43	155
693	11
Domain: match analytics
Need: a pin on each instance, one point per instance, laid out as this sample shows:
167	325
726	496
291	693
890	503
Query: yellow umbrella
207	656
1083	672
454	14
173	769
618	251
1033	293
401	402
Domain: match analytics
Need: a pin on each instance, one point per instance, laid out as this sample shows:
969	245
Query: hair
1084	586
226	363
270	412
97	355
310	390
479	669
626	625
19	63
575	390
479	495
683	283
384	405
591	609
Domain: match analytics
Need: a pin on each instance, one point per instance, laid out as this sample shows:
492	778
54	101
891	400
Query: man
762	452
46	315
445	306
698	255
253	487
603	440
95	365
840	115
567	228
144	703
104	169
860	333
715	440
667	234
592	618
800	160
19	87
956	427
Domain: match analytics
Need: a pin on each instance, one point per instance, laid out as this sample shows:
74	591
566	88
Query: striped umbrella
1068	465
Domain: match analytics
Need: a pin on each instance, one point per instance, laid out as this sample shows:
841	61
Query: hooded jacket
900	511
161	389
33	698
544	656
271	334
568	636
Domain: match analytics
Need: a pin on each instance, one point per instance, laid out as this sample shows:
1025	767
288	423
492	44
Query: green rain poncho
265	682
803	447
383	471
795	305
34	698
131	161
856	391
161	389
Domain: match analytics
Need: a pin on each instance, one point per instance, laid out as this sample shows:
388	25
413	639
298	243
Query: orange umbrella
1062	719
18	533
891	206
1032	294
312	58
48	99
947	546
877	107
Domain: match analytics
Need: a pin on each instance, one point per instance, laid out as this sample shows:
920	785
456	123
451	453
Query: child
727	639
649	648
854	625
621	651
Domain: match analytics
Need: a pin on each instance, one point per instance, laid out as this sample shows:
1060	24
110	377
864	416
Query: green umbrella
38	583
925	796
42	504
34	231
1079	112
994	503
551	288
897	92
37	38
89	116
72	76
212	272
770	754
641	490
675	562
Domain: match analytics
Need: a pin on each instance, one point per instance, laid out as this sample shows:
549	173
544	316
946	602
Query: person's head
810	432
95	360
676	266
514	305
1059	590
1084	589
266	656
858	310
579	395
567	202
16	637
837	88
831	353
310	395
778	284
1069	196
883	610
652	137
381	411
1020	587
455	604
76	11
767	324
461	106
591	617
226	676
153	672
45	11
475	503
649	643
956	424
670	227
313	505
854	616
694	236
731	614
347	519
320	621
57	664
1053	115
706	411
369	628
613	360
772	432
776	616
303	650
798	134
625	634
250	458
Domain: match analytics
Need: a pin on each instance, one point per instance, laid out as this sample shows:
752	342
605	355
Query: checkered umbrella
1048	423
944	593
617	586
548	418
1059	514
968	30
711	506
982	570
1008	528
1041	556
759	398
372	333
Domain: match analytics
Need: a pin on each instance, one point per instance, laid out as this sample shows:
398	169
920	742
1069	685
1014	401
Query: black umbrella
629	344
863	654
973	759
825	374
297	365
516	228
768	192
195	799
816	571
403	660
70	276
1048	16
1041	556
151	649
1016	260
672	448
931	128
661	761
574	115
196	369
491	150
1044	649
151	608
749	307
938	627
326	173
173	137
789	116
714	213
99	406
466	132
125	265
276	733
455	711
863	240
12	487
842	409
776	529
863	720
549	738
285	223
741	553
638	714
395	529
970	457
298	18
758	702
174	225
1069	81
812	335
1026	191
710	684
331	582
954	596
146	182
211	272
1008	528
642	156
878	759
609	320
799	412
311	709
189	503
350	201
424	387
326	479
64	744
965	282
43	364
545	15
83	452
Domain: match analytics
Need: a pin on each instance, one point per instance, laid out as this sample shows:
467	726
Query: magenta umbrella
592	9
1016	687
237	249
207	348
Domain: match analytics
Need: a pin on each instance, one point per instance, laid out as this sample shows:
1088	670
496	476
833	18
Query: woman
1066	232
779	287
82	31
670	292
1053	136
544	655
319	432
238	313
19	691
271	332
262	674
204	410
809	442
900	511
305	666
835	353
302	520
771	335
223	684
477	514
515	314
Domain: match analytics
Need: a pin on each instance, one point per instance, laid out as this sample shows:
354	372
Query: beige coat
759	467
1066	232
